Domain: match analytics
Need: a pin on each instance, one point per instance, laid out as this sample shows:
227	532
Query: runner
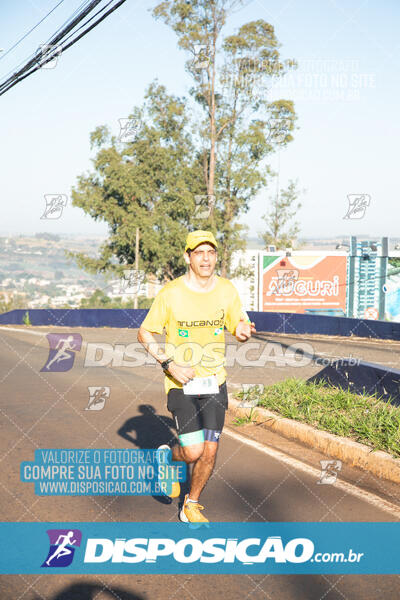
62	353
193	309
61	549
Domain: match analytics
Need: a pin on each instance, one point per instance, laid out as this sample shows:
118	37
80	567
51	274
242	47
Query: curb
352	453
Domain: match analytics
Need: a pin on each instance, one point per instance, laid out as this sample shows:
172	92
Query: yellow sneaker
190	512
176	490
176	486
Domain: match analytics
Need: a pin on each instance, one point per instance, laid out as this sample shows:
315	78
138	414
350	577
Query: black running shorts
199	417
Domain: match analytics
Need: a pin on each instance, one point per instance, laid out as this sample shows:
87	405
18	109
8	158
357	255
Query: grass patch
26	320
249	418
362	418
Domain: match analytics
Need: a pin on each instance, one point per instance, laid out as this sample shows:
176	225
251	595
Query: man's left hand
244	330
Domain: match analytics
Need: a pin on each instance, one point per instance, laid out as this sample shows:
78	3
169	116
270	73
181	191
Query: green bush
26	320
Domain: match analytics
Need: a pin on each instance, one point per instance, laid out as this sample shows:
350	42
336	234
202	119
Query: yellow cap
195	238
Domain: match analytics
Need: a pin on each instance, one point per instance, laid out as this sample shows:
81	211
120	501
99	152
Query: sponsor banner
102	472
301	284
156	548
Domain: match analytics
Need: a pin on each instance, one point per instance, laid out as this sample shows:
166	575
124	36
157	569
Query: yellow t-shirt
194	324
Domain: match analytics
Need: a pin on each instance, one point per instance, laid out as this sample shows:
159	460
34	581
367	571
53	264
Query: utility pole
382	277
137	265
352	273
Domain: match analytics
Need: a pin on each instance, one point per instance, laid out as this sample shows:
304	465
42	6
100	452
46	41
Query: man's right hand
181	374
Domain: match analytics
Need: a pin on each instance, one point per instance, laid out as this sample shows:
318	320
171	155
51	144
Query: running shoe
176	486
190	512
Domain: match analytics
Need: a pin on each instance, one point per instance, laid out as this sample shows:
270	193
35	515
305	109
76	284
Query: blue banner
102	472
156	548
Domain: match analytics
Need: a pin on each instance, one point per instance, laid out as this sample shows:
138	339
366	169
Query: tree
148	183
282	210
180	160
239	125
14	302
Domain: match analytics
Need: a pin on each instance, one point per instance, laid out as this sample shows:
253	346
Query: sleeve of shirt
235	312
156	318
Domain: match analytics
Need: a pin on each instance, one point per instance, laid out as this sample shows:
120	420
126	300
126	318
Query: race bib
201	385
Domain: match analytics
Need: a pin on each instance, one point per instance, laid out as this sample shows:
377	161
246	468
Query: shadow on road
152	430
88	591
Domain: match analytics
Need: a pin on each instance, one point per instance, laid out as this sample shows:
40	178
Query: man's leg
213	418
202	469
203	456
199	447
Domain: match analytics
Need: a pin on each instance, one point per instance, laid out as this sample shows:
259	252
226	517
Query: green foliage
215	145
247	419
15	302
283	208
26	320
363	418
394	263
236	118
149	183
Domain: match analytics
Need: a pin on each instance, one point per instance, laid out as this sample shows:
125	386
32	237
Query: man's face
202	259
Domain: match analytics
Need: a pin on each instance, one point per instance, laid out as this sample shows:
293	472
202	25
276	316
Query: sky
345	91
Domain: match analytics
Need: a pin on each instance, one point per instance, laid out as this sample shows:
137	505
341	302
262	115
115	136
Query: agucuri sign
302	282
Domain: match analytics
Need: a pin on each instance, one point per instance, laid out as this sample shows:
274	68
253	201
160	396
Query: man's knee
193	452
209	451
194	448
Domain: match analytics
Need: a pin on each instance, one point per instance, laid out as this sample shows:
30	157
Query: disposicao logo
190	550
62	547
183	332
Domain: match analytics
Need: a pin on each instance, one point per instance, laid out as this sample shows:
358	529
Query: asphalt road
40	409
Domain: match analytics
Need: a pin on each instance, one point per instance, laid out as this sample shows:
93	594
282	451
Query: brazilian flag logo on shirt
183	333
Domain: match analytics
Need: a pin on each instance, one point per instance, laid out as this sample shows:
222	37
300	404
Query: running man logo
55	204
358	204
129	129
131	281
203	206
48	55
61	551
279	130
329	471
183	333
201	58
286	278
62	351
251	393
97	397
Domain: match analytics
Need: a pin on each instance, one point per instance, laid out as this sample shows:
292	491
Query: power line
34	59
88	21
32	65
30	31
59	29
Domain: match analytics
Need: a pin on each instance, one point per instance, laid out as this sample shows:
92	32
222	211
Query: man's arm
180	373
237	321
149	342
244	330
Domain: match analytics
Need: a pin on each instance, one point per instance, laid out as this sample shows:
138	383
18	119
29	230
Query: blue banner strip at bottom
156	548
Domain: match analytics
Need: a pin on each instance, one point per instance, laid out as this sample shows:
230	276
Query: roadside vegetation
362	418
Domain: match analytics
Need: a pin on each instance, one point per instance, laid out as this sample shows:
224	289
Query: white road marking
298	464
22	330
43	334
